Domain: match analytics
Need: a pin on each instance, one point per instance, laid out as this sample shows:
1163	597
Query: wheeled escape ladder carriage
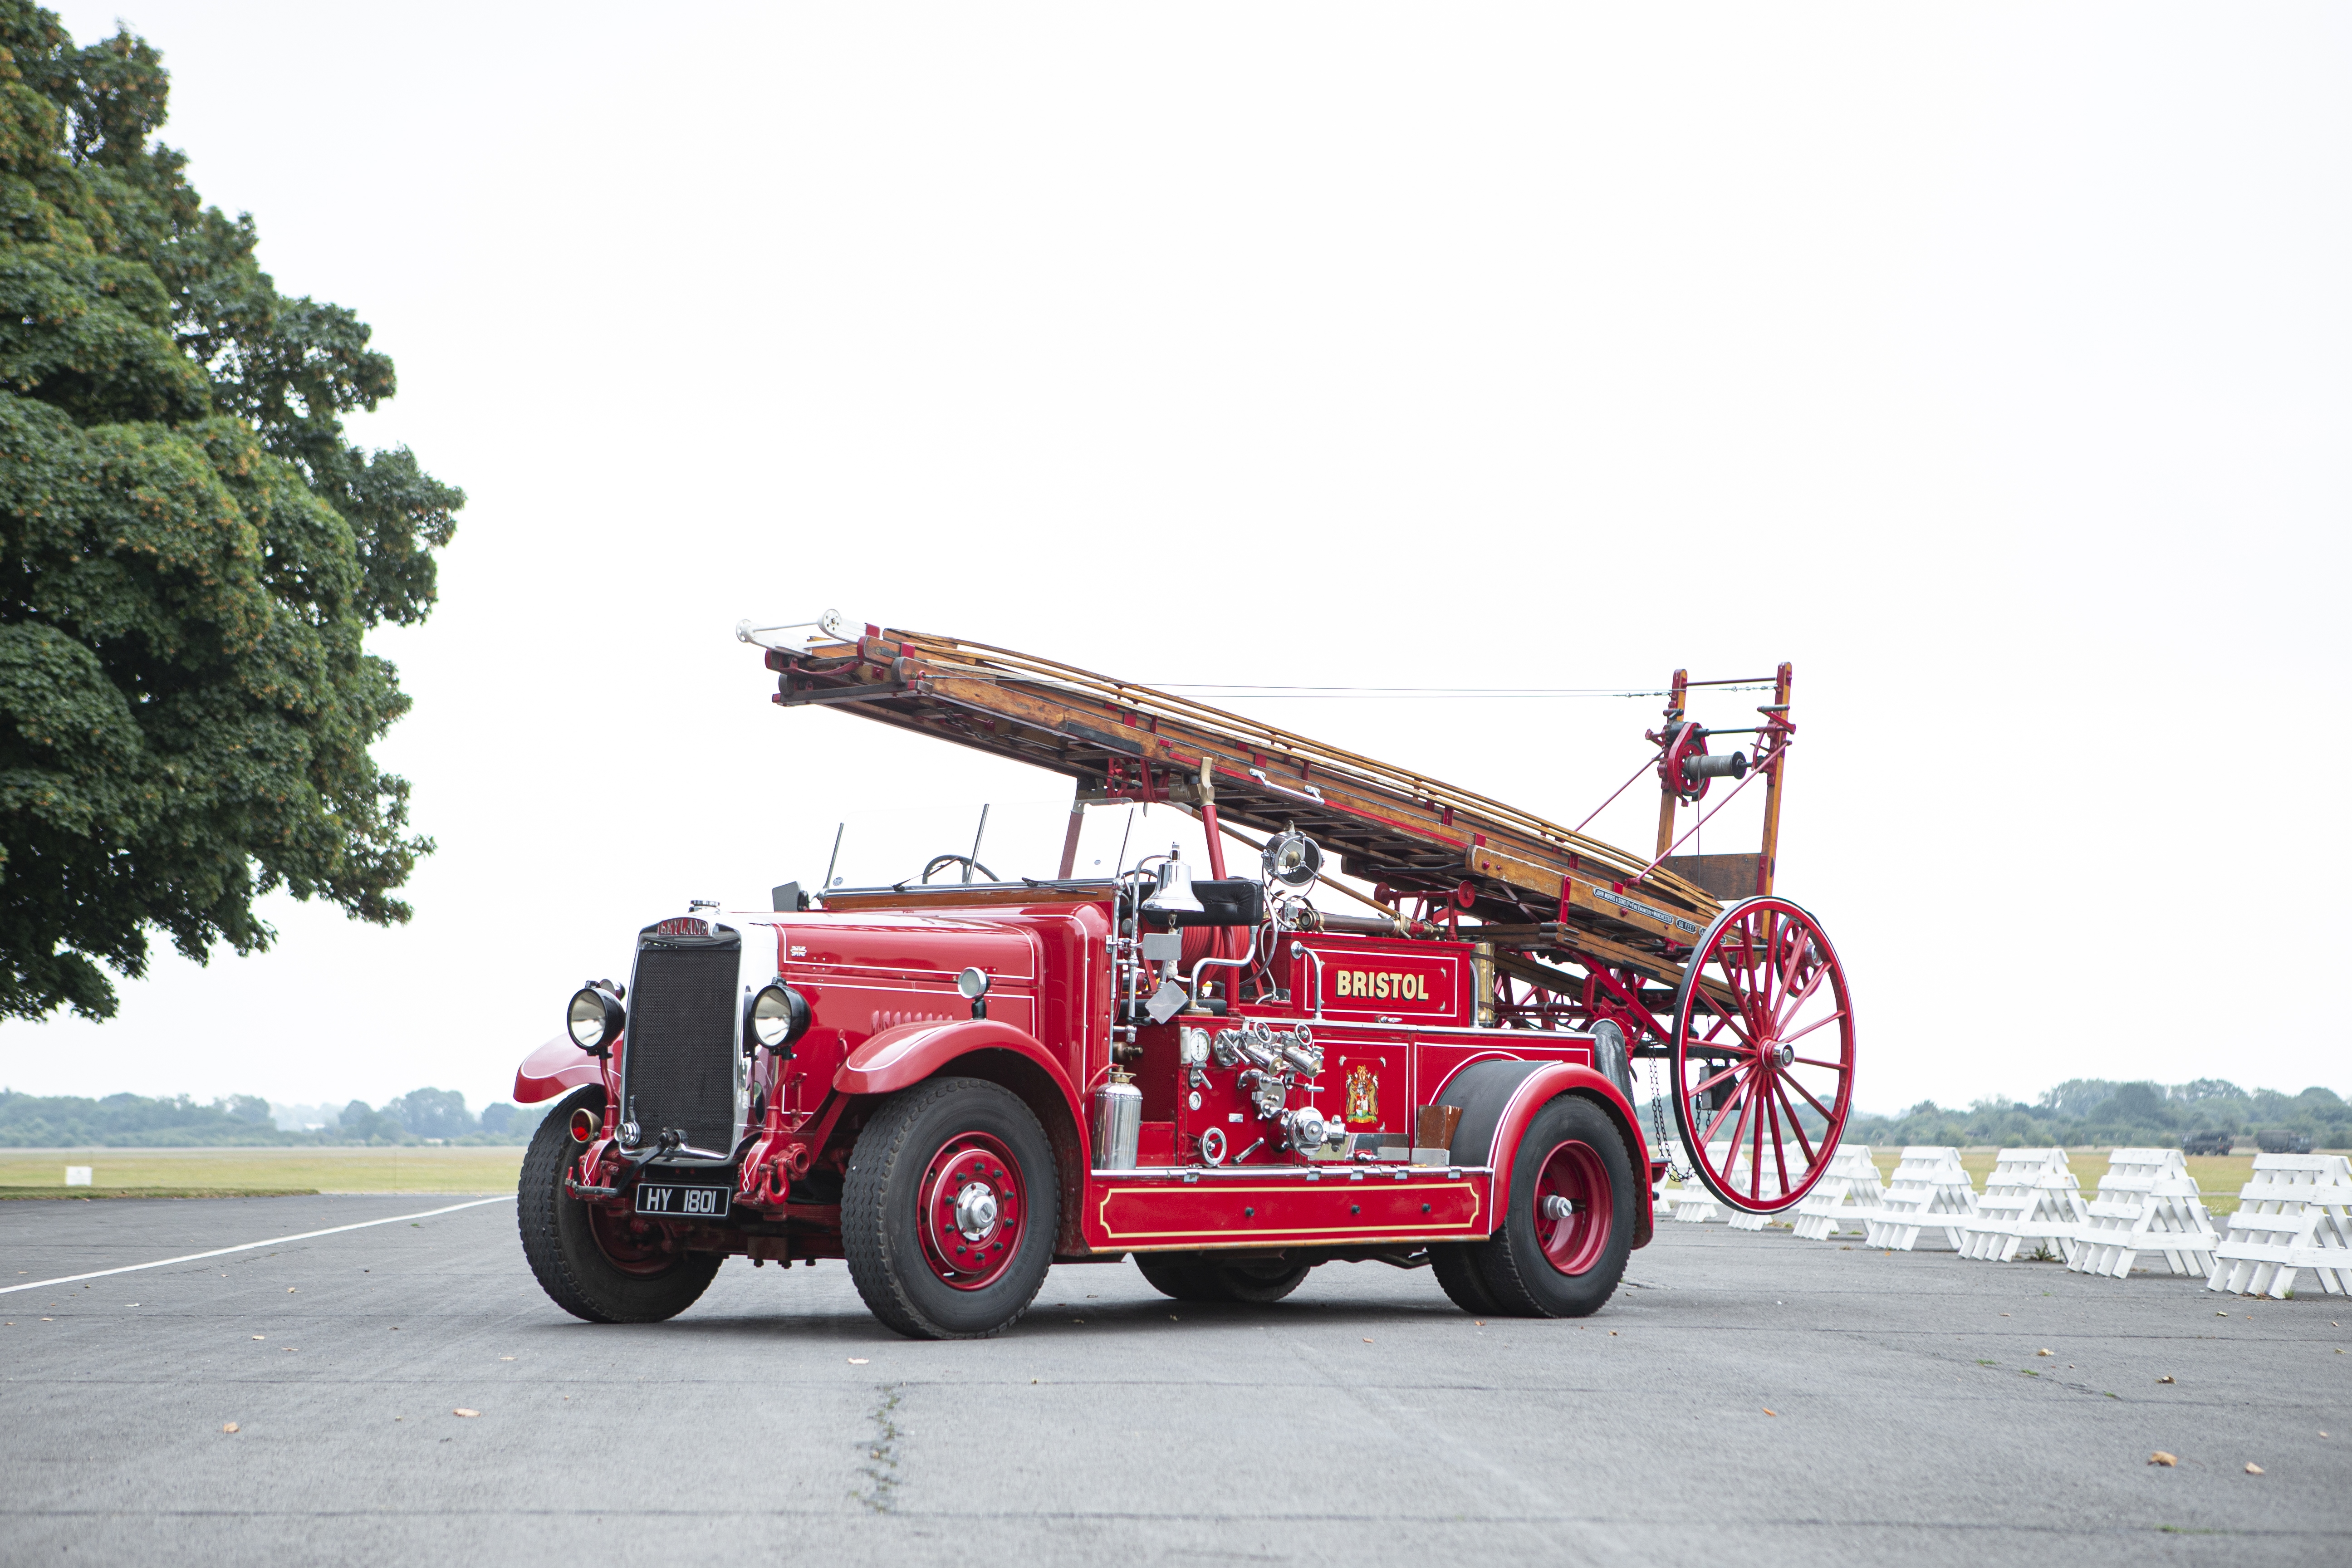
952	1085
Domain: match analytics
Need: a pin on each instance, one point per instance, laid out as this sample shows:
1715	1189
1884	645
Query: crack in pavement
882	1456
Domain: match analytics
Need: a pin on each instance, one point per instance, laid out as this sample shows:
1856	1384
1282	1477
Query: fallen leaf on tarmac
1479	1322
506	1358
2045	1352
2167	1378
859	1359
1770	1411
1368	1341
2220	1314
2253	1470
290	1290
228	1425
1612	1334
2161	1458
461	1410
256	1336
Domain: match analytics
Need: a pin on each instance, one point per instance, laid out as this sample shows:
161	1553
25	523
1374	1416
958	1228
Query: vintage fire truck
954	1084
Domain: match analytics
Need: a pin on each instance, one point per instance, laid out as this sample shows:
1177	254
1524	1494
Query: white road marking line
249	1246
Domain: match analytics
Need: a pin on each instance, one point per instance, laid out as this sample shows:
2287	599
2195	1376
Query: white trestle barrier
2295	1214
2031	1196
1930	1191
1694	1204
1847	1196
2147	1201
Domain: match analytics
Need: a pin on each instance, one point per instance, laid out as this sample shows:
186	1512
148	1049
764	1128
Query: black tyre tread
865	1209
572	1285
1179	1276
1505	1273
1239	1284
1457	1276
1213	1277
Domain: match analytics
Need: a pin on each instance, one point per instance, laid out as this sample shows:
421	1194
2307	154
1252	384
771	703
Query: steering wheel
936	861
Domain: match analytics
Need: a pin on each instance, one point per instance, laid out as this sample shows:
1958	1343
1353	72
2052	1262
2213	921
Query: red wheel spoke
1756	1156
1779	1159
1817	1105
1796	1128
1703	1087
1738	1100
1799	998
1816	1024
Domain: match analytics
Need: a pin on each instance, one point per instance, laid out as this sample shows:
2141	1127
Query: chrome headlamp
774	1017
595	1018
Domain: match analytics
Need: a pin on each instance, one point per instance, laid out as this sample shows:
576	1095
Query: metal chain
1658	1114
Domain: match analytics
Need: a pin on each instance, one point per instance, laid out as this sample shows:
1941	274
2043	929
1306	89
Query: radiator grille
679	1065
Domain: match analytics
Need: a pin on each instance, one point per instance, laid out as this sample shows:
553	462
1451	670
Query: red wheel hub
1573	1205
972	1211
633	1245
1763	1055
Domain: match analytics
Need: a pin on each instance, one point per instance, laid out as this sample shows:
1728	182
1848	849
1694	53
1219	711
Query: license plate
683	1203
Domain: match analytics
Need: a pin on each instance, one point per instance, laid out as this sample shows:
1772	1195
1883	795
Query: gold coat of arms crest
1363	1094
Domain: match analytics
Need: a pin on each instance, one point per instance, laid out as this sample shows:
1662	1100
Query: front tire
950	1209
585	1263
1568	1228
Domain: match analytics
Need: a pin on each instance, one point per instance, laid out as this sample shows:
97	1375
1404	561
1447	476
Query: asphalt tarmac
1752	1399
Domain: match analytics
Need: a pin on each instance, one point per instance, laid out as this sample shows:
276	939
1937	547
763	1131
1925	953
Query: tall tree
191	552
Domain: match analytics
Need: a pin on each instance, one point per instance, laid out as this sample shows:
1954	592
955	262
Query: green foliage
191	553
131	1120
2099	1111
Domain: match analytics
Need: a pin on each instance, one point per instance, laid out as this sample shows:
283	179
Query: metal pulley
1686	769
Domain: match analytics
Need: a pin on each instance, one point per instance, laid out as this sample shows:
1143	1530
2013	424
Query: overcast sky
1992	364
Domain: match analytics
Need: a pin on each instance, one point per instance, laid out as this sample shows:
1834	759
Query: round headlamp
777	1016
594	1019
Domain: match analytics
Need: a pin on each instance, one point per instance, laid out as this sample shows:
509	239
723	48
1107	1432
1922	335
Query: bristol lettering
1380	985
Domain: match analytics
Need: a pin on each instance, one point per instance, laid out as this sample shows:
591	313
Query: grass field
217	1172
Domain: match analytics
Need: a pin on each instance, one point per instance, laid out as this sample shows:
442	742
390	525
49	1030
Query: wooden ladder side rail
1131	741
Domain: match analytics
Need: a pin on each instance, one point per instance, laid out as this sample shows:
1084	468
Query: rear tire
559	1240
951	1164
1457	1276
1562	1265
1211	1276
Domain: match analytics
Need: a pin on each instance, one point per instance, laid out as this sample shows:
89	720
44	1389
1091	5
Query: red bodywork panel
557	1068
910	1053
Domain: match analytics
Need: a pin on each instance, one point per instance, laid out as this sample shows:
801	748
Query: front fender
912	1052
1498	1099
557	1068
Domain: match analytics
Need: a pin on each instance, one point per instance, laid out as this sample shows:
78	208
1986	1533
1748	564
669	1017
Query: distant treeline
2093	1110
132	1121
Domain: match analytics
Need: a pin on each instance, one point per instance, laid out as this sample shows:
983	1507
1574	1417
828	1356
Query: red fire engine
953	1085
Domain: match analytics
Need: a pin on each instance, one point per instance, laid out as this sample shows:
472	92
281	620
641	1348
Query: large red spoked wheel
1763	1055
